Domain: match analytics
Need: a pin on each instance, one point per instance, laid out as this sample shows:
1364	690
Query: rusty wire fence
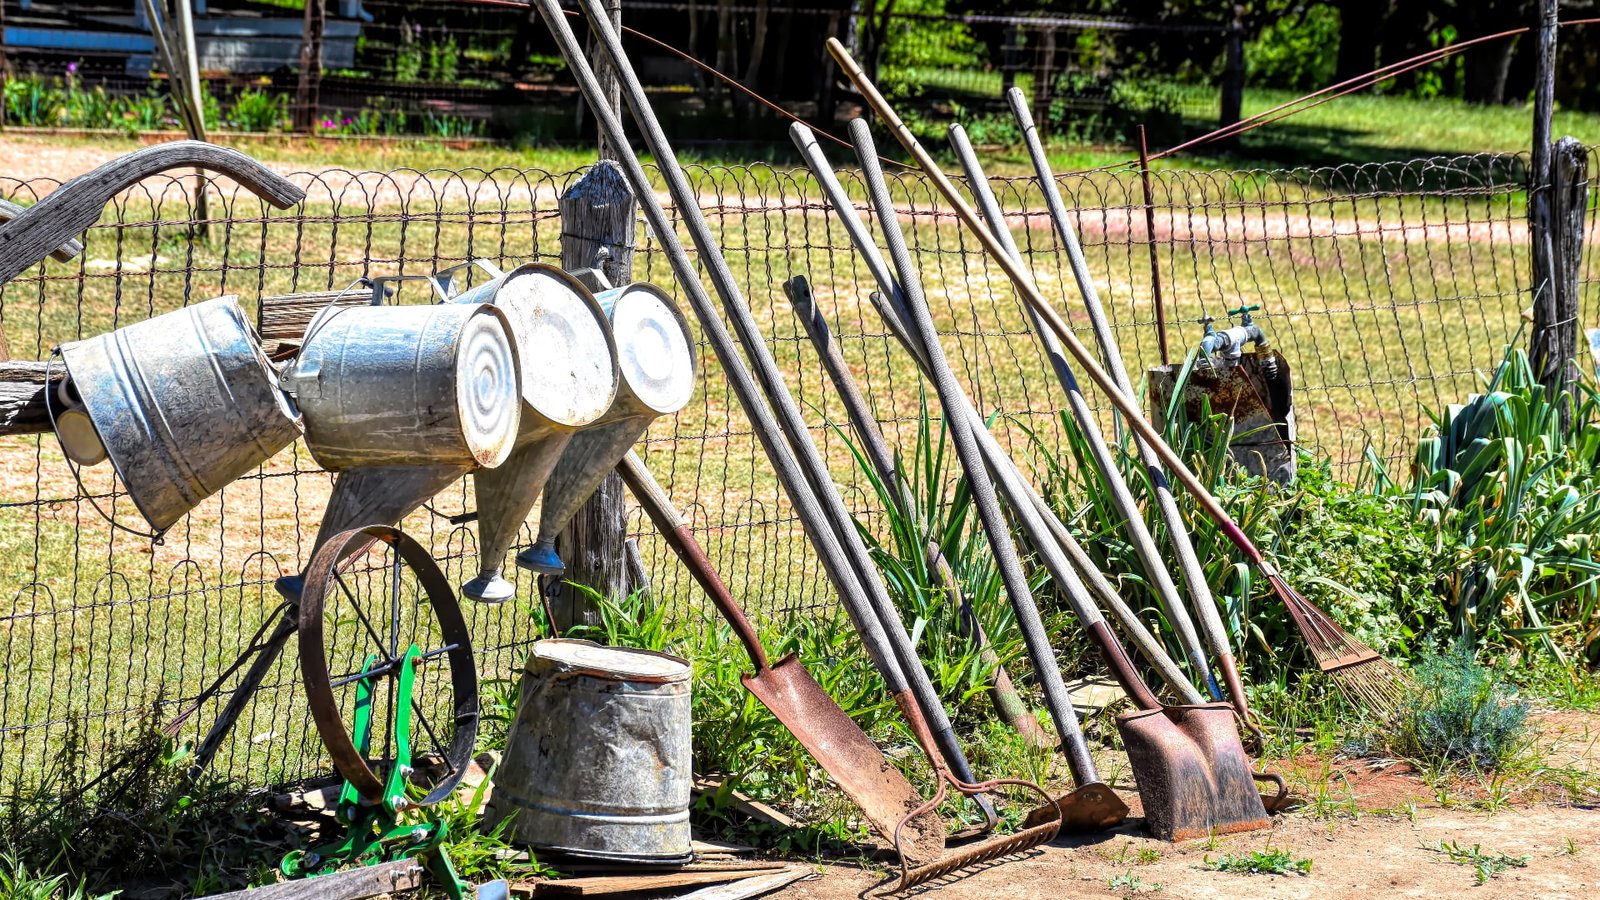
1387	287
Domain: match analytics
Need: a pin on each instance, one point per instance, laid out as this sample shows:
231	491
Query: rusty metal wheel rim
347	759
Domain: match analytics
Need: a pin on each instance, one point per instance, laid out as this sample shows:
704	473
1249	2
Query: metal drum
183	404
407	385
655	355
598	760
569	379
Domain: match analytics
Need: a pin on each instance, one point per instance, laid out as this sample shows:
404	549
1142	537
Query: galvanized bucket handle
439	280
157	537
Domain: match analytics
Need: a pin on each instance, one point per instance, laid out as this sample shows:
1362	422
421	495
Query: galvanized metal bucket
407	385
598	760
183	404
655	356
569	380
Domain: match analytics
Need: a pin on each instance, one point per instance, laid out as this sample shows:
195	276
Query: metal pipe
984	498
1045	531
1144	544
1183	547
858	582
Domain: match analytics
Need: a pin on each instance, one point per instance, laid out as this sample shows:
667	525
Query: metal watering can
655	353
402	401
569	380
182	404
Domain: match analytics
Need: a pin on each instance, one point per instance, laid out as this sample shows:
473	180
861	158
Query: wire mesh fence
1387	287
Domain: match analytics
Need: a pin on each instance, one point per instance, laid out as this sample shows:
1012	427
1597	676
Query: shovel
835	741
797	483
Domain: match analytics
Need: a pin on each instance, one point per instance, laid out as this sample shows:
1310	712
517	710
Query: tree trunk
1360	31
742	105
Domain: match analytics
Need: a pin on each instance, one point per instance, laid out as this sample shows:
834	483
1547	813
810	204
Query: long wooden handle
658	506
78	204
1034	299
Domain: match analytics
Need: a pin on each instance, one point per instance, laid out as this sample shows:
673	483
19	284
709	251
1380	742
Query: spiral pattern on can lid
487	387
654	348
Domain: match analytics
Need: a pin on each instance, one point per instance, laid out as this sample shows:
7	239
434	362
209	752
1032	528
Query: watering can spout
542	558
505	495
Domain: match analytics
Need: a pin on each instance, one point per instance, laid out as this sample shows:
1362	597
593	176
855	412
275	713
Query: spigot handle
1244	312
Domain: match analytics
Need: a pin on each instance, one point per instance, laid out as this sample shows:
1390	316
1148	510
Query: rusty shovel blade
1193	775
1093	807
849	757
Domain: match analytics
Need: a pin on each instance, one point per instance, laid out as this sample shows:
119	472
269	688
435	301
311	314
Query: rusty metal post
1150	238
598	215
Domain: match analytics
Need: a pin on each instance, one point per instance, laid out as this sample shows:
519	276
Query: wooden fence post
1557	194
598	213
1556	212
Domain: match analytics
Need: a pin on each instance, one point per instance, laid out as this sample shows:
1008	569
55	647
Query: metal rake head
976	854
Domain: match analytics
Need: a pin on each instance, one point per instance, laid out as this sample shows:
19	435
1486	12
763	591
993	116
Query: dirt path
1375	856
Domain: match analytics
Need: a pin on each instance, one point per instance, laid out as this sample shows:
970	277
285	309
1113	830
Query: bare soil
1374	833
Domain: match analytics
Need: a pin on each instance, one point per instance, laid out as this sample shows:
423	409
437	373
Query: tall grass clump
1462	713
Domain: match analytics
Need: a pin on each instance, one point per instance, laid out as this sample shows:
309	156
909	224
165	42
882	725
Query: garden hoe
834	740
797	485
1003	693
1093	805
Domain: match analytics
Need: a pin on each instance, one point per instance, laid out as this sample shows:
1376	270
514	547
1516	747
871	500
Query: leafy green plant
1129	884
480	855
1260	862
444	57
1486	865
255	110
1508	486
1461	713
18	883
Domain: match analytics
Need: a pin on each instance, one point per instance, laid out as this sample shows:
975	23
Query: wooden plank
749	887
22	387
69	210
284	317
608	885
755	809
351	884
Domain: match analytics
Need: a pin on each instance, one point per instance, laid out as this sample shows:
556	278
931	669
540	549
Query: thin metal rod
1031	295
1194	576
1049	536
860	587
1149	234
1144	544
1045	666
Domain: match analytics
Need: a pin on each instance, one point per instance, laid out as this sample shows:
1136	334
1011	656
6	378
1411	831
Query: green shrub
1294	51
1461	713
255	110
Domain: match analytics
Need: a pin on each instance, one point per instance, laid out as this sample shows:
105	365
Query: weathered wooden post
1558	189
1043	72
307	94
598	215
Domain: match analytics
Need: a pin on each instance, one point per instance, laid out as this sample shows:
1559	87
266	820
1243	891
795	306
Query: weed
1569	847
1129	884
476	854
18	883
1260	862
1486	865
1462	714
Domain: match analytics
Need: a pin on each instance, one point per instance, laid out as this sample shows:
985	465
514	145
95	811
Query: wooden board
608	885
351	884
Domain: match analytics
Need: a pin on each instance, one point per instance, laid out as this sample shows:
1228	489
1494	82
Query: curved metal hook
70	209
